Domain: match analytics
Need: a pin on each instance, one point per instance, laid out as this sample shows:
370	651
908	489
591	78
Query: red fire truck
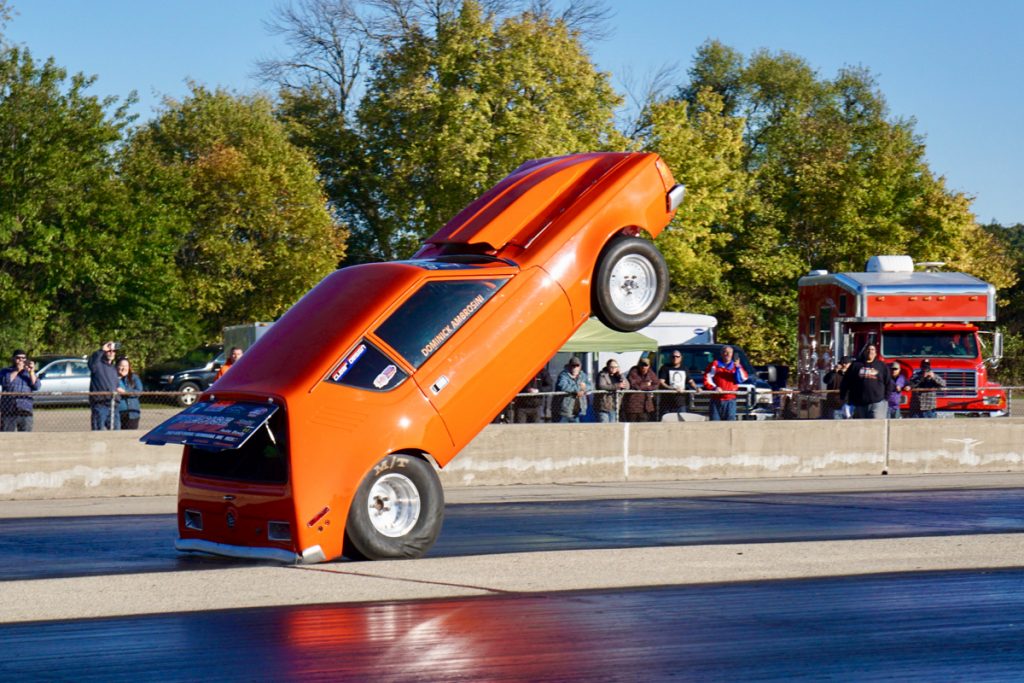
910	316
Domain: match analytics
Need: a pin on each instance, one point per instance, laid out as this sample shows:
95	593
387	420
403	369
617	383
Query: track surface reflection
925	627
91	546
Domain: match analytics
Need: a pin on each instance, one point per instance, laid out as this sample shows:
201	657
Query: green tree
251	226
456	98
1011	301
704	148
78	257
831	179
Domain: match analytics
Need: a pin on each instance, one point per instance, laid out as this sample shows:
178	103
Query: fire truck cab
909	316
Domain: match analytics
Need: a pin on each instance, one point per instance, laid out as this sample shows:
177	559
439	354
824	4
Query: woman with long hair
129	387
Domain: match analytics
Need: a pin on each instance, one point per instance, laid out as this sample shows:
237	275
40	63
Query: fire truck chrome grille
959	383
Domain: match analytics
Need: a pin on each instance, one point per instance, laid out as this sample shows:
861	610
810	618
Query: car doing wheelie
325	438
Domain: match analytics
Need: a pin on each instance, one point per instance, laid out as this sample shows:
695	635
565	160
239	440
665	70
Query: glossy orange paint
531	242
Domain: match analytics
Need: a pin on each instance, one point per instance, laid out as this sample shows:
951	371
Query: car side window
433	314
59	370
367	367
79	368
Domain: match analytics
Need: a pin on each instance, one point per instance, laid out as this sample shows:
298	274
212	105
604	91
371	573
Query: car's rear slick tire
630	284
397	511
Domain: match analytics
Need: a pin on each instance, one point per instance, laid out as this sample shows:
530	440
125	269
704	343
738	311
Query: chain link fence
71	412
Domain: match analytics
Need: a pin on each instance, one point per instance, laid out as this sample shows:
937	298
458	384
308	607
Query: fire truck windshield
930	344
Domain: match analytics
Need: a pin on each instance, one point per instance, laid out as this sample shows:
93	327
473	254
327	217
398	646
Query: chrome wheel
189	394
633	284
394	505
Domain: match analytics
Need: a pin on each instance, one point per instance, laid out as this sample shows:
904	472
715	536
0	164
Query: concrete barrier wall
102	464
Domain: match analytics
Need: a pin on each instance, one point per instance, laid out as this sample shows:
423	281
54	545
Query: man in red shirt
724	375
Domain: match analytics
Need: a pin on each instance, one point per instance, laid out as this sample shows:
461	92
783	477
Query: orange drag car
324	437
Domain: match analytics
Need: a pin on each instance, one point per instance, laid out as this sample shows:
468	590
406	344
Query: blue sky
953	66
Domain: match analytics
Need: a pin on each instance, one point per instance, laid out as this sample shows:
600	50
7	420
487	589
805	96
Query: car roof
339	309
61	359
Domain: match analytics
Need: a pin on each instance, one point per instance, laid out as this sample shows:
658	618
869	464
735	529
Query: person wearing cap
899	381
725	374
572	383
833	408
867	385
924	386
609	382
19	378
672	376
638	404
103	383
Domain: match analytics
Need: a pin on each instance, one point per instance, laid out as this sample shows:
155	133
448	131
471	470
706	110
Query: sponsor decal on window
385	376
344	366
449	329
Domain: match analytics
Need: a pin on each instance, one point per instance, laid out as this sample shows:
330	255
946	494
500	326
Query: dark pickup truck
190	375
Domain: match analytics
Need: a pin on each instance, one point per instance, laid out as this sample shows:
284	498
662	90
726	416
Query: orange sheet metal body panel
418	356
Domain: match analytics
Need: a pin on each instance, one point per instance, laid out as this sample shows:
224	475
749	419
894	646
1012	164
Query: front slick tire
397	511
630	284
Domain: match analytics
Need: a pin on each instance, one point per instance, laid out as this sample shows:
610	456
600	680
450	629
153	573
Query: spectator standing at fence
129	386
233	356
609	382
574	387
896	392
638	405
103	381
672	376
867	385
925	385
833	407
725	375
19	378
527	408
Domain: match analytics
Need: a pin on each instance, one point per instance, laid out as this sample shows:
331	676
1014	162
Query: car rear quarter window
429	318
367	367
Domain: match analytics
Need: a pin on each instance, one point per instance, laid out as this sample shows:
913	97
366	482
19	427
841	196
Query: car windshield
696	361
201	355
932	344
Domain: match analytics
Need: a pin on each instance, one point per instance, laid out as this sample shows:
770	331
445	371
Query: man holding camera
103	382
925	385
20	378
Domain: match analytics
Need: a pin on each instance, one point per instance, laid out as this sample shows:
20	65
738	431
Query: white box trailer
243	336
670	327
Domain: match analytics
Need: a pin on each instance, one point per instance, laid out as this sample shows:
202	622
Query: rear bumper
310	555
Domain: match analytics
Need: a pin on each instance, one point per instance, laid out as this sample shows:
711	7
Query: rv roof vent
818	272
890	264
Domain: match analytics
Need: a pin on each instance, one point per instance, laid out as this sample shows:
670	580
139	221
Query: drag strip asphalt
481	575
64	547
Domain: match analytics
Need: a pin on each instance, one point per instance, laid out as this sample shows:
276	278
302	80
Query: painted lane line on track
479	575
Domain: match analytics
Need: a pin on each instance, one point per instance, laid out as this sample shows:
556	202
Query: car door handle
440	384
